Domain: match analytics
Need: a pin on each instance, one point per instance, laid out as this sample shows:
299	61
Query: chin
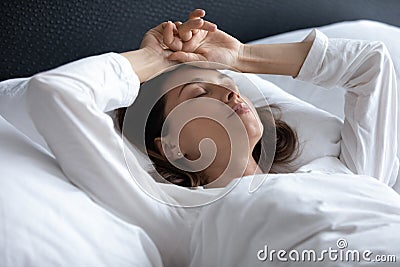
254	130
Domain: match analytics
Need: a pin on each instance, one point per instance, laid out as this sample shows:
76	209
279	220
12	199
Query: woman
217	174
283	59
67	107
204	104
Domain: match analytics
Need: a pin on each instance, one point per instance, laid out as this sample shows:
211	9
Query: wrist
146	63
281	59
256	59
244	61
241	58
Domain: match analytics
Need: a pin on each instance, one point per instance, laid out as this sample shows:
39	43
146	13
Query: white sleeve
13	110
365	70
13	105
67	107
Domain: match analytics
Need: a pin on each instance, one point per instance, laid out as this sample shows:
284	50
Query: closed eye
199	91
200	95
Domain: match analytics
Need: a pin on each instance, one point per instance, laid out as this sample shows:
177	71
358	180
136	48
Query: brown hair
287	148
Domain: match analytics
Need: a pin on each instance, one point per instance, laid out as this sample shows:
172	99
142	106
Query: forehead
190	75
180	77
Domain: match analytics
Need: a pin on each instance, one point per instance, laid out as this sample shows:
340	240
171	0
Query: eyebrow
221	76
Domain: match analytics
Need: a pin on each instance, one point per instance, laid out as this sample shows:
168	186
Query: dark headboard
40	34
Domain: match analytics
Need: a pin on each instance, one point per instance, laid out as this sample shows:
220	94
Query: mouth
240	109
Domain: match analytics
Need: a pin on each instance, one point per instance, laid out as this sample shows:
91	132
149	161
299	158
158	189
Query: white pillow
318	131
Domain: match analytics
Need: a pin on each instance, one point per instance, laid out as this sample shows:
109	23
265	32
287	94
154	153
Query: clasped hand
200	40
194	40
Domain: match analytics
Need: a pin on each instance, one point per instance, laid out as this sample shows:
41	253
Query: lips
240	108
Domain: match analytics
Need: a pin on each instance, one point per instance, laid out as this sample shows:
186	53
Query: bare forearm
281	59
145	63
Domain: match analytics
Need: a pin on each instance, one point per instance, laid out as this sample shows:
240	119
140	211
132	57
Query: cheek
199	129
254	125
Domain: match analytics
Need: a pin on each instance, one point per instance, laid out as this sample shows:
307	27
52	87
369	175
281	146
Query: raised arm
66	106
365	70
217	46
147	61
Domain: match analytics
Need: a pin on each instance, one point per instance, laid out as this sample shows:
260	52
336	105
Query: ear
158	145
170	150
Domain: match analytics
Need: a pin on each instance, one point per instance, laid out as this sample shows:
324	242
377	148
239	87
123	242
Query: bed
47	221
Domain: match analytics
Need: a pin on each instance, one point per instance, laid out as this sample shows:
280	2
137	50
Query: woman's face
208	105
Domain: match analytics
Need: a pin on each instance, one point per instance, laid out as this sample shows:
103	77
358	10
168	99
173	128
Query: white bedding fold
299	211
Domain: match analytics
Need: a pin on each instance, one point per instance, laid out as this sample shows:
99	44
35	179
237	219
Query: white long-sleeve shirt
66	106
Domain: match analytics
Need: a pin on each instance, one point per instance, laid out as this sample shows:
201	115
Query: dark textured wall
40	34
